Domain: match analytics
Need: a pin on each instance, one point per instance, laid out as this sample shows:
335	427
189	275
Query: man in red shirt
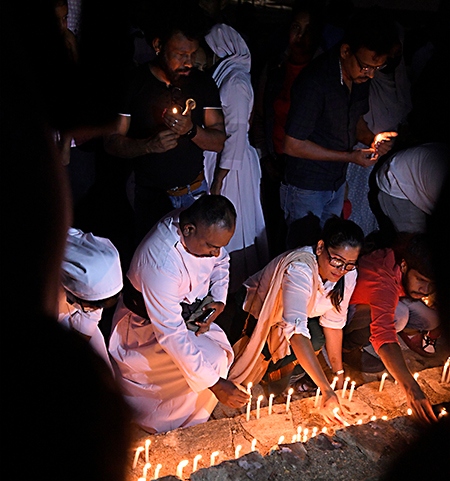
388	296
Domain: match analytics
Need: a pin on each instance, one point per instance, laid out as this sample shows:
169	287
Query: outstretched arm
392	357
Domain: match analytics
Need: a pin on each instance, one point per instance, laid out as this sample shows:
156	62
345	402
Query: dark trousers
357	329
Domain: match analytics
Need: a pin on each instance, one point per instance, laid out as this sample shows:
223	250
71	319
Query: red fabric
281	106
379	284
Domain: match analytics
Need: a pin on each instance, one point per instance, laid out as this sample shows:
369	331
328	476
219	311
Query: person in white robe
172	376
91	280
235	172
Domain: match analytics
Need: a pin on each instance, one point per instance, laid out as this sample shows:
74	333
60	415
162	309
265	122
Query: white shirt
297	286
415	174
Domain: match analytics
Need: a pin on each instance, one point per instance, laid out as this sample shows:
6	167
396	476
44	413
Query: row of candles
301	436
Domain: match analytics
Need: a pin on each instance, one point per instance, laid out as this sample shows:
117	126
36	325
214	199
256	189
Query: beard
175	77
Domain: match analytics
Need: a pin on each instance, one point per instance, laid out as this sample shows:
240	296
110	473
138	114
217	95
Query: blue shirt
325	112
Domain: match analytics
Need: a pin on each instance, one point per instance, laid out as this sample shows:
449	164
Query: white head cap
91	266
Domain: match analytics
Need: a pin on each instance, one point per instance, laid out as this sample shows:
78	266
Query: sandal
305	384
428	343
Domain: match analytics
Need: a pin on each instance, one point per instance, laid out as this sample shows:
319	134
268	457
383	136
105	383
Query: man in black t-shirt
163	131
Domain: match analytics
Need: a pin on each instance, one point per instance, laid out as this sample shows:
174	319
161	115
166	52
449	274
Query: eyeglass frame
368	68
343	265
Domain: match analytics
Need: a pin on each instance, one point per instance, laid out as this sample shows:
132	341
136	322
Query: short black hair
210	210
372	28
414	249
176	16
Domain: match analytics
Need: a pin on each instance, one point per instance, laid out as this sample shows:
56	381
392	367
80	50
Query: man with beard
173	371
390	297
170	115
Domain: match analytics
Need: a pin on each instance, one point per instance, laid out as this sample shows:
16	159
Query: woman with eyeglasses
294	305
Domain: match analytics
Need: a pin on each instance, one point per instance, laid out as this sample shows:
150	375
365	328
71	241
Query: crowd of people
290	197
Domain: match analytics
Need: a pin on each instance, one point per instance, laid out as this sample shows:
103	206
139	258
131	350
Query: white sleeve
160	288
297	291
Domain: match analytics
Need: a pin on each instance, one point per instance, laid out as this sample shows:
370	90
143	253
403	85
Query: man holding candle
163	137
170	375
390	282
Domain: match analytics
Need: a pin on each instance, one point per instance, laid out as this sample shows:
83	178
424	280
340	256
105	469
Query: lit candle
352	388
213	457
443	413
373	418
280	440
409	411
145	470
305	435
299	432
258	406
253	447
333	384
288	400
359	421
137	454
249	388
195	462
294	438
180	467
416	375
147	445
444	371
314	431
347	379
316	400
383	378
249	407
384	418
142	479
157	470
270	403
336	415
174	110
324	429
237	451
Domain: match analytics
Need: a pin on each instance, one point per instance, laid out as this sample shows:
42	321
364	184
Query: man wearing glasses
325	121
390	297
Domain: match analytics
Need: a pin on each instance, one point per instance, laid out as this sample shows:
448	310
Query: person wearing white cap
91	280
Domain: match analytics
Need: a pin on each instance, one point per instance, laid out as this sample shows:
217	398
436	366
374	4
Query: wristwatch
191	133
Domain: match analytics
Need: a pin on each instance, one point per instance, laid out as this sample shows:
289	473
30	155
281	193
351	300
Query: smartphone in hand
203	317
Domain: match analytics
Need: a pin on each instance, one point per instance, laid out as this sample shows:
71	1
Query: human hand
162	142
331	409
364	157
177	122
204	326
421	408
383	142
230	394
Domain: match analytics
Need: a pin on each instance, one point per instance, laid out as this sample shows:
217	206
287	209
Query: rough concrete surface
363	451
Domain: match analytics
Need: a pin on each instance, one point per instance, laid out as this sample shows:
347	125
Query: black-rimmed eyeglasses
367	68
339	263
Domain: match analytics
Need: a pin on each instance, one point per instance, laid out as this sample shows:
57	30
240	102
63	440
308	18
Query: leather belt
196	183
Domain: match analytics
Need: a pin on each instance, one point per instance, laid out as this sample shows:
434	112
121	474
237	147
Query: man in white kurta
167	370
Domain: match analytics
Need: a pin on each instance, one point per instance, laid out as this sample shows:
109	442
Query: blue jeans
188	199
297	203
